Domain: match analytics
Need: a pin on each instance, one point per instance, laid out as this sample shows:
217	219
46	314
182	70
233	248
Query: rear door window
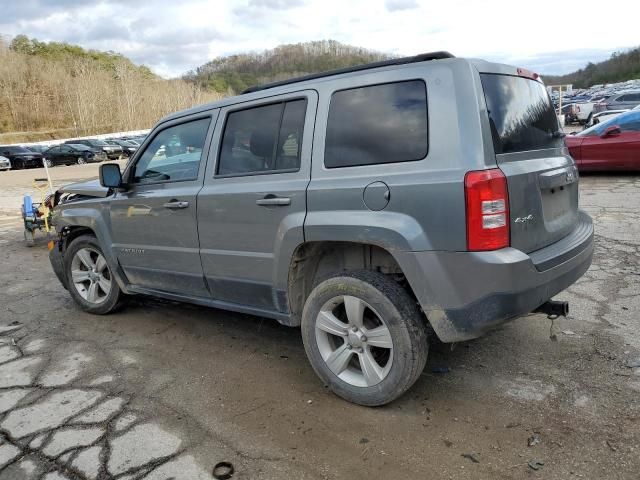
521	114
264	139
377	124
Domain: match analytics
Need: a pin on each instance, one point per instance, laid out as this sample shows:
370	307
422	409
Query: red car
610	145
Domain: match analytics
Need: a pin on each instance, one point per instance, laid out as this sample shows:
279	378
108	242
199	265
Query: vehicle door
54	155
67	154
629	101
252	207
614	150
153	222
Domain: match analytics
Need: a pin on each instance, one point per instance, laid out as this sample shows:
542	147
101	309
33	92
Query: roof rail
423	57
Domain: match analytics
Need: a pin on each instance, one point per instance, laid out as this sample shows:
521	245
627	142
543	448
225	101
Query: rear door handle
176	204
273	200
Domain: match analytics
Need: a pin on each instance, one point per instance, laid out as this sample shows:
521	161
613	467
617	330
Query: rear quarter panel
426	209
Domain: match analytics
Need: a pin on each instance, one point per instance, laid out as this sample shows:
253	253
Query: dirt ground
165	390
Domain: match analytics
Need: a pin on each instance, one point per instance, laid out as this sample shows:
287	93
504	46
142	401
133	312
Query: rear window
521	115
377	124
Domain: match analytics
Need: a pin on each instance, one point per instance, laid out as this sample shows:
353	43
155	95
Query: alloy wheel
354	341
81	161
90	275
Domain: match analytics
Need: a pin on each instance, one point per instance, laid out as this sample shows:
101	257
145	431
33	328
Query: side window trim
267	102
131	168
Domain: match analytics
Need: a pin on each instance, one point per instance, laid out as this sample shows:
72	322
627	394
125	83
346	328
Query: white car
5	164
606	115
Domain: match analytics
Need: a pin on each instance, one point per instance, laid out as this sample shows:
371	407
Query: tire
48	162
90	293
400	353
589	118
81	161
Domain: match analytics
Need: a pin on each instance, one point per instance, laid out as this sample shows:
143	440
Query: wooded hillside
622	66
234	73
57	90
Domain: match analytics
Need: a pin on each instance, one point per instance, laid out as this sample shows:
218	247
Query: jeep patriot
373	206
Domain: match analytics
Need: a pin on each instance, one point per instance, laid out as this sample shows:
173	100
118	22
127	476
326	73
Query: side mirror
110	175
611	131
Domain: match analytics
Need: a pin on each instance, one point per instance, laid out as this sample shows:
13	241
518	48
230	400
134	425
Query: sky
174	36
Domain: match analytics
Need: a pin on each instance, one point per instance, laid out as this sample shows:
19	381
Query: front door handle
176	204
273	200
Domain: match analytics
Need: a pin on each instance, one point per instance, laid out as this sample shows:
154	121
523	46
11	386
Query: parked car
68	154
605	115
620	101
128	147
20	157
610	145
113	152
331	203
584	109
5	163
570	112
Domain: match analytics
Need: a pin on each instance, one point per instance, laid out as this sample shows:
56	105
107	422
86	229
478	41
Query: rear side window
377	124
265	139
521	115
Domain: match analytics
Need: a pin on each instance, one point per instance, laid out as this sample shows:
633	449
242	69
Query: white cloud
393	5
173	37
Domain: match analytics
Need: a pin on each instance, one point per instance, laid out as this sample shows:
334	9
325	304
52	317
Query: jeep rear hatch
528	145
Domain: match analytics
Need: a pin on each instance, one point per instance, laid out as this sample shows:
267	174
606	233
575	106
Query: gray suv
372	207
621	101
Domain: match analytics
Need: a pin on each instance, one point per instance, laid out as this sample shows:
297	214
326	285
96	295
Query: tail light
487	202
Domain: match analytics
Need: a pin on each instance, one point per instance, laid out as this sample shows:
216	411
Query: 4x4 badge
527	219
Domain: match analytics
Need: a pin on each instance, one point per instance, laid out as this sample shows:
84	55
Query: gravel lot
164	390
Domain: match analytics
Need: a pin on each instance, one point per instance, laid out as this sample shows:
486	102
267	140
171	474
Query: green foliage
60	51
620	67
237	72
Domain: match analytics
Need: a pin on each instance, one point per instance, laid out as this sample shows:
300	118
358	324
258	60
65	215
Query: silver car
5	163
367	206
620	101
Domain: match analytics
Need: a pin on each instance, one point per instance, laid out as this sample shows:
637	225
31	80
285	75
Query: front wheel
81	161
365	337
48	162
89	278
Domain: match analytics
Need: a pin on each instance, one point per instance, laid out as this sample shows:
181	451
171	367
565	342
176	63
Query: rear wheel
89	278
365	337
81	161
48	162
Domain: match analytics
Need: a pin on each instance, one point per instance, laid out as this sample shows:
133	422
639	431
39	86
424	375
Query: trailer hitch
553	309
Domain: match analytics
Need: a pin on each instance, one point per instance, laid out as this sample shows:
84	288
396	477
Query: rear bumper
465	294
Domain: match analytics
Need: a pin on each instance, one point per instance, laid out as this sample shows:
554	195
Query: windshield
521	114
623	120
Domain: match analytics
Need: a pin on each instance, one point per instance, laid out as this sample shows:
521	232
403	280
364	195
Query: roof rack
423	57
